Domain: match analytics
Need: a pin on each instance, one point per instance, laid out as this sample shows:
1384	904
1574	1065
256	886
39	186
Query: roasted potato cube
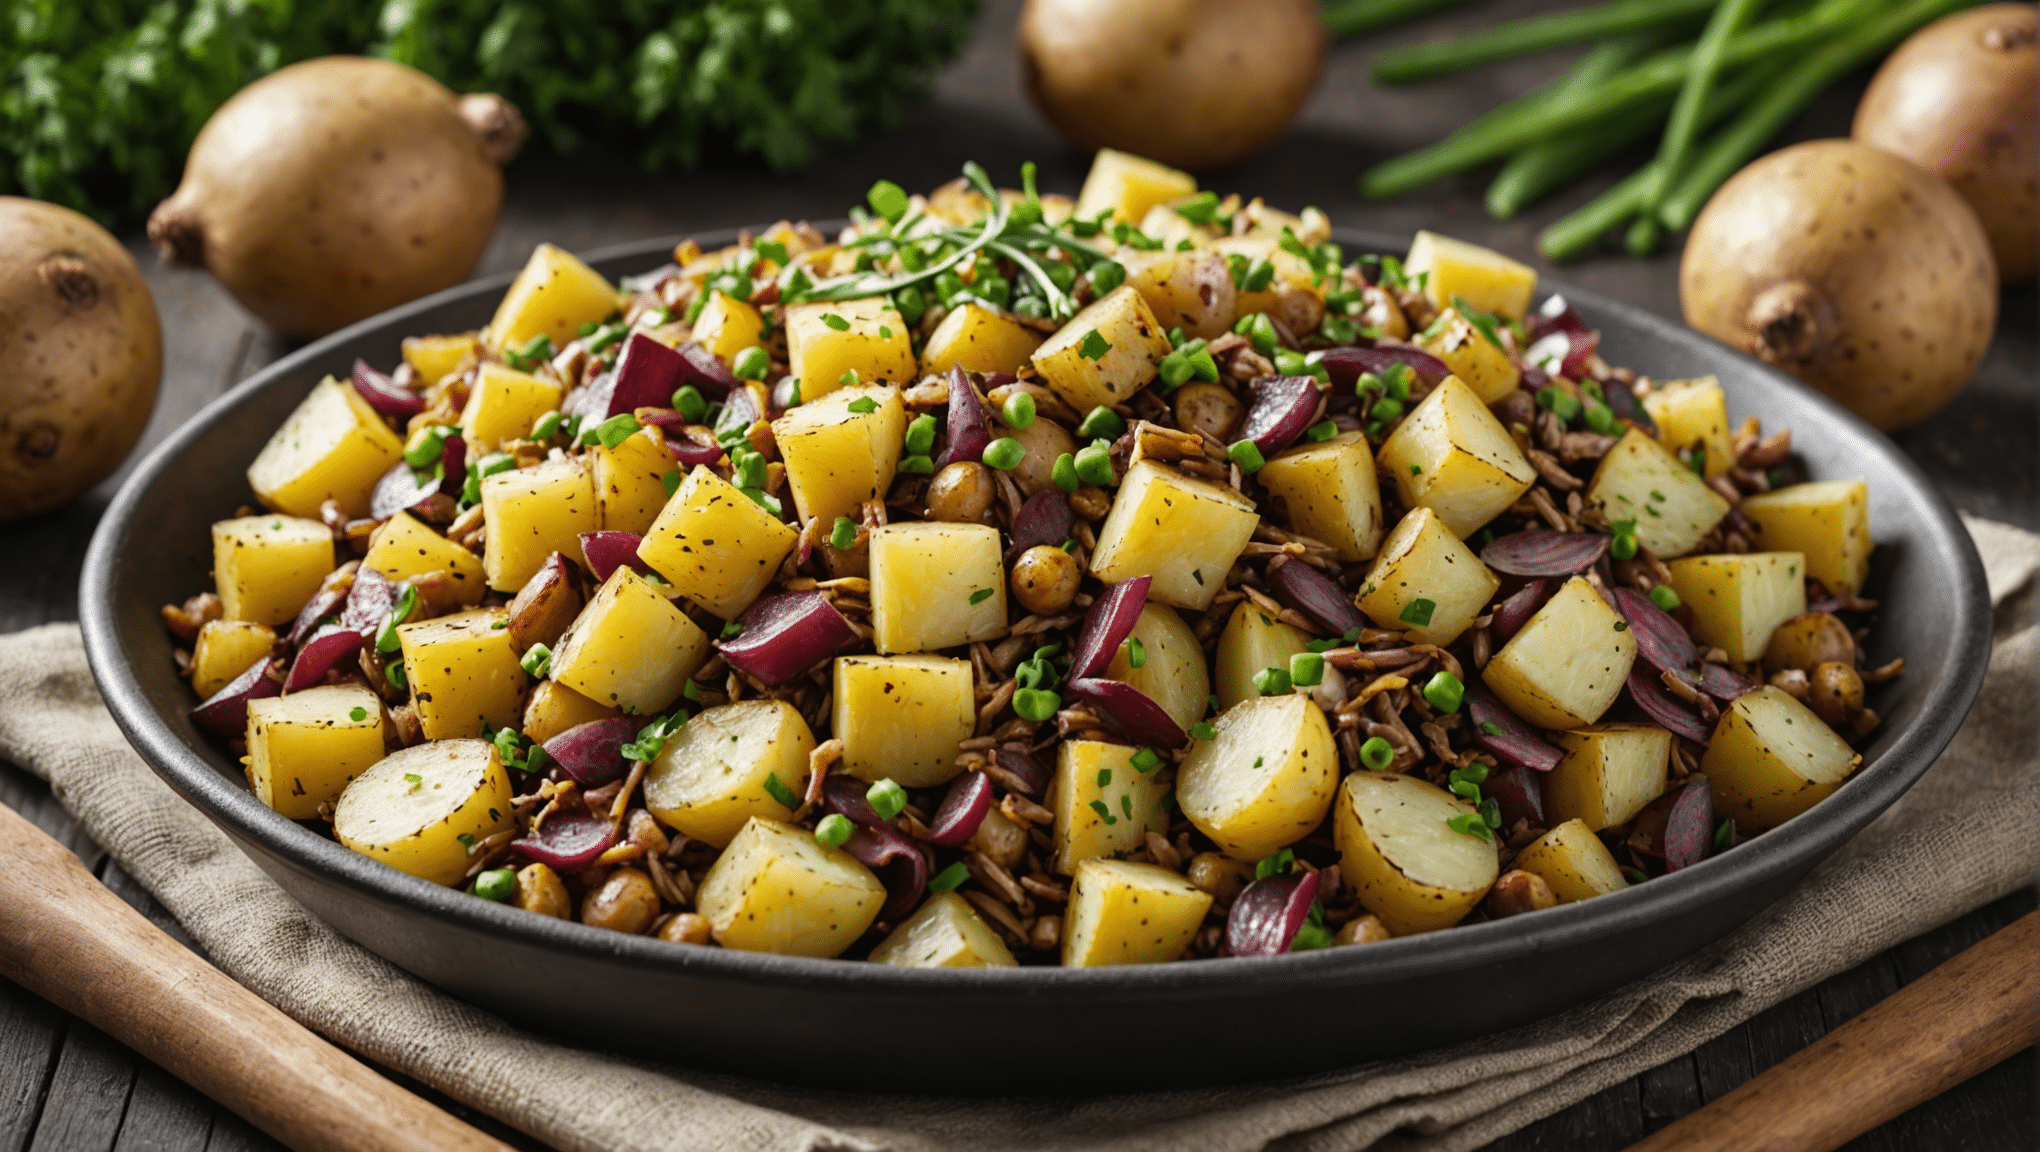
333	447
1739	599
1771	759
1486	279
1426	581
224	650
774	889
1103	804
1565	666
980	340
1828	521
1610	773
871	341
630	482
837	456
1252	641
903	716
1264	779
463	672
533	513
1406	864
502	405
553	296
1639	479
405	548
1189	289
1692	415
631	647
714	773
936	585
1474	359
1172	671
425	810
1328	492
1109	351
1573	862
434	358
1129	186
554	708
1182	531
727	326
715	546
266	567
946	933
1121	912
1451	455
304	748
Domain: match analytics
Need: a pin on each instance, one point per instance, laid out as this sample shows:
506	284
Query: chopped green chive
833	831
950	878
1321	431
1247	455
1103	812
920	435
1600	418
1146	760
1469	823
915	465
357	714
1202	731
467	842
764	499
1280	864
1136	653
1444	692
1377	753
886	798
1559	403
1271	681
836	322
548	426
1385	409
1102	423
843	536
1306	669
1106	275
1005	453
1094	346
1036	704
616	429
1490	728
1419	612
751	364
1724	835
1018	411
780	792
396	676
536	661
981	595
1666	599
750	470
863	405
671	482
497	884
414	780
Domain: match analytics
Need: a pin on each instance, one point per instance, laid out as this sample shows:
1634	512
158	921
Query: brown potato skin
1961	99
1850	268
1809	640
81	355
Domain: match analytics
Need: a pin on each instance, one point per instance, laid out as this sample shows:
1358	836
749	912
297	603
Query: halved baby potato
426	809
714	773
304	748
1574	862
775	889
1122	912
1264	779
1771	759
1406	864
1172	671
946	933
1253	641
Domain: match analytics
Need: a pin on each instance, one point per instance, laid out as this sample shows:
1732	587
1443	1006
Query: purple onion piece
646	376
1132	711
787	634
1283	406
1517	741
1345	364
384	394
1313	593
324	605
400	490
1668	710
1019	762
320	652
678	445
592	753
1558	317
226	711
844	795
897	862
371	598
1107	625
1660	641
1689	828
740	410
1542	552
591	399
1514	612
608	551
967	438
1519	793
1723	684
1623	403
963	809
566	841
453	453
1265	918
699	367
1533	379
1045	519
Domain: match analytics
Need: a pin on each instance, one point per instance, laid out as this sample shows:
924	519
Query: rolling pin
67	938
1963	1017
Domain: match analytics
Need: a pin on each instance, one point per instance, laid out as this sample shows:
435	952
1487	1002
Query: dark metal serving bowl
761	1014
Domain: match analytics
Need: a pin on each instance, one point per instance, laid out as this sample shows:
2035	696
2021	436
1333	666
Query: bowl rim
1795	845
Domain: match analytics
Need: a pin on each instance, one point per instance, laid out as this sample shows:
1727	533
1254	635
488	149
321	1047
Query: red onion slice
844	795
897	862
324	605
566	841
967	438
608	551
1345	364
1514	612
1019	762
963	809
384	394
1265	919
1515	739
1656	700
1542	552
1519	793
1283	406
1107	625
1723	684
787	634
1558	318
1132	711
319	654
699	367
1313	593
679	445
1045	519
1660	641
401	489
646	376
1689	829
371	598
226	711
592	753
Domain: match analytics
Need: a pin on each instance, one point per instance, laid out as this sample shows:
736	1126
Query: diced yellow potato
405	548
1405	863
266	567
980	340
727	326
1472	357
1182	531
1771	759
1129	186
838	457
1738	600
1121	912
463	672
1328	491
631	647
872	342
936	585
503	405
1188	289
533	513
1639	479
434	358
333	447
1609	773
903	716
1487	279
1574	862
1828	521
426	809
630	482
946	933
1451	455
554	708
304	748
224	650
1252	641
553	296
713	774
1127	352
1264	780
1693	415
1103	804
1426	581
1172	672
716	546
774	889
1567	664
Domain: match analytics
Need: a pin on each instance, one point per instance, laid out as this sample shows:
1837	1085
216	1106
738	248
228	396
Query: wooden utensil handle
64	936
1964	1016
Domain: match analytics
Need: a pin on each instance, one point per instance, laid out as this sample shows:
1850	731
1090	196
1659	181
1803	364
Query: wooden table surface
64	1086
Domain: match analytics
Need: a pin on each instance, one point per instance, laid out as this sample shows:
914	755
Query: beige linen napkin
1967	834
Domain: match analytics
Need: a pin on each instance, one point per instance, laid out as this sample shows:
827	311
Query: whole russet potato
1856	271
333	189
81	354
1191	83
1961	98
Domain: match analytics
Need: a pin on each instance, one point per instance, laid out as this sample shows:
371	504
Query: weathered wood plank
88	1093
164	1115
1668	1092
31	1036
